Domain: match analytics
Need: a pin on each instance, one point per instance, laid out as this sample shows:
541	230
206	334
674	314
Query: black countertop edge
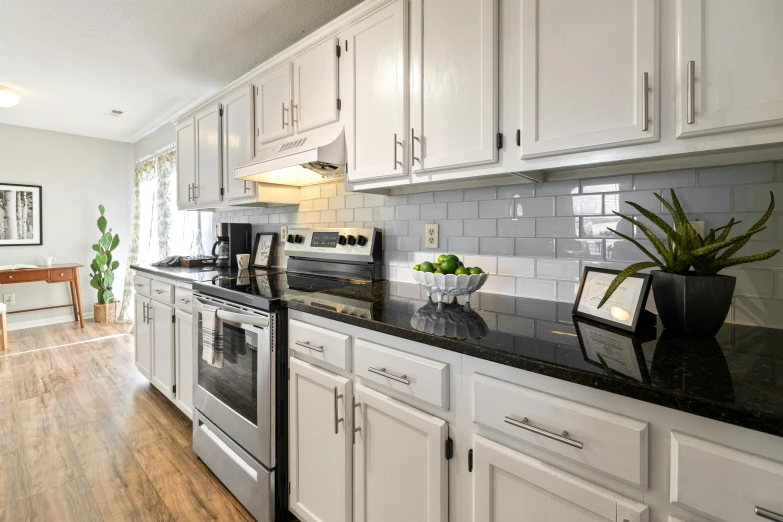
757	421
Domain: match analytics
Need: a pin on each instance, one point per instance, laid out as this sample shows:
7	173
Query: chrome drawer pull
159	291
310	346
691	90
337	420
645	102
769	515
382	371
563	437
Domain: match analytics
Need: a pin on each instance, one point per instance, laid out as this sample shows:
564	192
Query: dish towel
212	332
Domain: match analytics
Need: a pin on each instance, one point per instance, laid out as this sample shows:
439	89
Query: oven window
235	383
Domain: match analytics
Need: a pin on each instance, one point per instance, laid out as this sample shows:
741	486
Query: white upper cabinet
376	98
729	65
186	163
238	141
273	104
209	178
316	88
454	83
401	471
589	74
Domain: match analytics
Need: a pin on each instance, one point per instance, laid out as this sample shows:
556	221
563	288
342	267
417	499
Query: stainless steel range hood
305	159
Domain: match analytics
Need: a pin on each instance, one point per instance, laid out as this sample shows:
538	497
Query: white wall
155	140
77	174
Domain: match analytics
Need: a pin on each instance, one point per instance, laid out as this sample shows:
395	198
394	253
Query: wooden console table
67	273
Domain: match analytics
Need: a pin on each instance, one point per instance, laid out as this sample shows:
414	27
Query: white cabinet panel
209	179
513	487
401	472
583	69
273	104
184	352
315	87
163	348
238	141
722	482
376	100
736	72
325	345
454	82
186	163
143	336
320	439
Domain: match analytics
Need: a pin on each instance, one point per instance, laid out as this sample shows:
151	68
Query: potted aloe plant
102	272
690	295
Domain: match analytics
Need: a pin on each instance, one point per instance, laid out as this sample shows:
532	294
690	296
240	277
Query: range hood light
8	96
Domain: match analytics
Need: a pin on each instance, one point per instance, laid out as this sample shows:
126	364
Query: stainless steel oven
234	400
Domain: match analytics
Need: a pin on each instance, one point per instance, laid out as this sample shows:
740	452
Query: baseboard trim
35	323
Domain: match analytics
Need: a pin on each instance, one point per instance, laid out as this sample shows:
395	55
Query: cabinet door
273	104
454	68
735	81
583	74
143	337
184	351
377	93
315	87
399	454
186	163
513	487
238	141
319	439
163	348
209	177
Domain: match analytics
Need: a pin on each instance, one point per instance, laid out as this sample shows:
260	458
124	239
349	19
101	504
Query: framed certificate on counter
623	309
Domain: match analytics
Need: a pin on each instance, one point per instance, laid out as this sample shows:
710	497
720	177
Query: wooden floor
84	437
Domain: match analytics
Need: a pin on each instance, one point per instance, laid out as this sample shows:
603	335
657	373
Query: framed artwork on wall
263	250
21	216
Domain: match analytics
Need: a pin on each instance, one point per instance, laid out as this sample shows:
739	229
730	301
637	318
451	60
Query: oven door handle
255	320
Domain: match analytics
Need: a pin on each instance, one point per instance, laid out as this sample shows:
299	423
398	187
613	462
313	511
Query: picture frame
625	309
21	223
618	353
263	250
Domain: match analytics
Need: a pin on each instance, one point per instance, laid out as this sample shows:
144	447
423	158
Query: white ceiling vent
114	113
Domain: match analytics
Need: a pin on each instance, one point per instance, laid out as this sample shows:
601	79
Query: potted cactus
690	295
102	272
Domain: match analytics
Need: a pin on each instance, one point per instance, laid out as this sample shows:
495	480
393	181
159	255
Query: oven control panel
339	244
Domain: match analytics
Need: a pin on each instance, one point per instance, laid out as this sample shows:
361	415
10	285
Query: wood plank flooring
84	437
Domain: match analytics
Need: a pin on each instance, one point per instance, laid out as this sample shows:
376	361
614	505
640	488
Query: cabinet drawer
605	441
163	292
64	274
322	344
724	483
424	379
142	285
183	299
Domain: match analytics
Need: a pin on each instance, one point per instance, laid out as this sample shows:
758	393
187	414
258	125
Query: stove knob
351	240
361	240
290	238
298	239
341	240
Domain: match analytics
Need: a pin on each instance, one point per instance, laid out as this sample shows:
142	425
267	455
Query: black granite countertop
180	273
736	377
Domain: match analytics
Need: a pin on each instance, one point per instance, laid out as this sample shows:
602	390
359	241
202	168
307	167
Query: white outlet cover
431	236
283	232
9	299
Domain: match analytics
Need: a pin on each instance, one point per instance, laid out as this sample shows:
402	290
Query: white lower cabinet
512	487
143	337
162	319
184	351
319	440
400	464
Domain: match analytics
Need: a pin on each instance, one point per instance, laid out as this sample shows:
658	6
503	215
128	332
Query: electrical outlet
9	299
430	236
699	226
283	232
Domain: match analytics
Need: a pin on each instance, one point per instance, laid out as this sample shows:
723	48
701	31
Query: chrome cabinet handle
285	123
293	112
563	437
769	515
336	420
144	312
382	371
190	191
354	404
413	148
396	142
691	92
247	188
150	315
159	291
645	101
309	346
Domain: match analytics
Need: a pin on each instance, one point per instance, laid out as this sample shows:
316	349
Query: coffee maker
232	239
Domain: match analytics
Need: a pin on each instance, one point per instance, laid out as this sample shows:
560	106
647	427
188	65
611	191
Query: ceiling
73	60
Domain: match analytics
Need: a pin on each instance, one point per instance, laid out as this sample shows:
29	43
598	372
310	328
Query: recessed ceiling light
114	112
8	96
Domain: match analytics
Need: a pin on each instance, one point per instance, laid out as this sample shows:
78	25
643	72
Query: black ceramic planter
691	304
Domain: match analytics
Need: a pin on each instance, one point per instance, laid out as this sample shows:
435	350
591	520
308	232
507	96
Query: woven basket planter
106	313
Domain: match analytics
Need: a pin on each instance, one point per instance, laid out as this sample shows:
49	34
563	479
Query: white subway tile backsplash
418	199
434	211
414	258
396	200
329	191
499	285
536	289
312	192
517	191
653	227
383	214
777	223
517	227
481	227
354	201
619	202
535	207
496	208
601	185
598	226
747	219
736	174
397	228
398	259
557	227
535	247
450	228
608	265
488	264
763	312
306	206
517	266
410	212
463	245
702	199
752	283
558	188
496	246
345	214
328	215
564	269
755	197
374	200
409	243
587	205
778	277
478	194
778	171
463	210
624	250
664	180
363	214
448	196
337	202
759	247
581	248
566	291
321	204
